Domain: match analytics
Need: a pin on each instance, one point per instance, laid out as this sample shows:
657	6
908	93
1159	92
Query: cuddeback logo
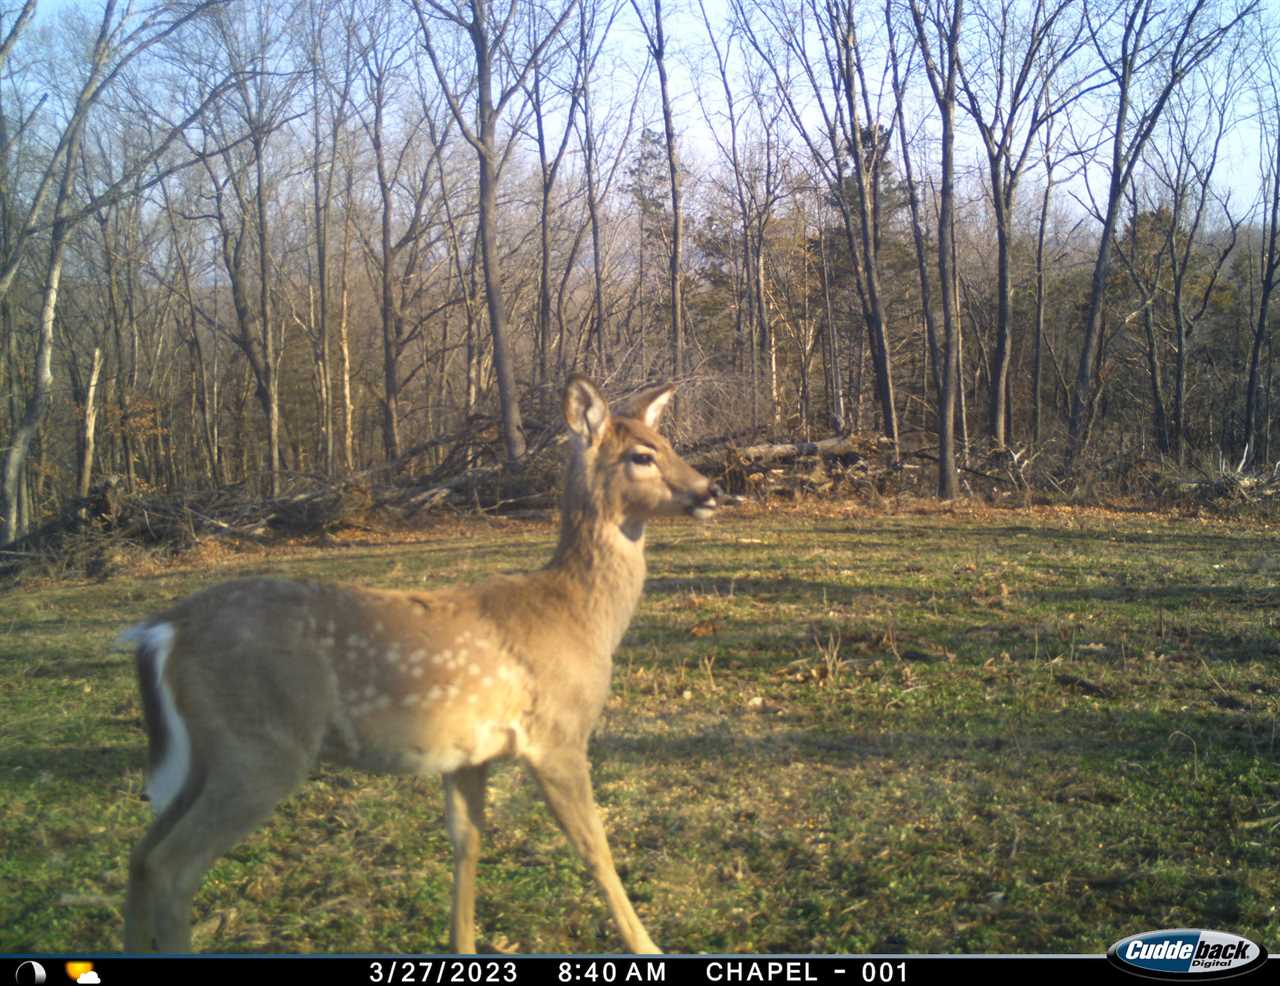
1186	953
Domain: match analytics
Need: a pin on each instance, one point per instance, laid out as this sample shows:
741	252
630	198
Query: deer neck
601	553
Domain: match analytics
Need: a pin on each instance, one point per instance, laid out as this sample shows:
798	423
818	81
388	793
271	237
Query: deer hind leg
139	914
168	865
464	817
565	780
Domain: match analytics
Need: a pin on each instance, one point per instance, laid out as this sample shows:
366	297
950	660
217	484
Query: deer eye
640	459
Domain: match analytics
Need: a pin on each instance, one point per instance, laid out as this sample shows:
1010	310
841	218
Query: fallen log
841	445
838	446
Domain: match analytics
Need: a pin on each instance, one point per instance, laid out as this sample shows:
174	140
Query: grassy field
833	731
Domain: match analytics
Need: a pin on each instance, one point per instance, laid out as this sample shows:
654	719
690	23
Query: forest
245	243
966	302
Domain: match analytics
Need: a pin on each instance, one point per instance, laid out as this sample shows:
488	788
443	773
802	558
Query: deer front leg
565	779
464	817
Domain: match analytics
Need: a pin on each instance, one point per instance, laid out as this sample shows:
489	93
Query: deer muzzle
706	503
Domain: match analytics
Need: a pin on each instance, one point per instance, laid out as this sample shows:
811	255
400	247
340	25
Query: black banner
570	970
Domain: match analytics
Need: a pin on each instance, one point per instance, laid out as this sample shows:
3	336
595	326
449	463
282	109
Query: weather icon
89	978
29	973
82	972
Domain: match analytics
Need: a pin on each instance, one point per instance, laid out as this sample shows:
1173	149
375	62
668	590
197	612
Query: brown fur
271	675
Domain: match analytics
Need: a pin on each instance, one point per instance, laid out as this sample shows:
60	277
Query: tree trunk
1037	352
768	343
16	521
388	313
917	234
593	211
676	273
513	439
346	412
321	206
88	426
271	382
1180	389
1159	419
1084	393
998	399
942	80
835	385
1265	445
1270	263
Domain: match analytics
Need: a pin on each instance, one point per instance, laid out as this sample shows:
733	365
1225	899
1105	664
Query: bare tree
1010	90
199	325
1268	97
1185	163
542	91
651	22
848	148
237	139
937	29
1147	50
1052	162
493	38
595	121
901	66
332	79
120	37
395	141
753	151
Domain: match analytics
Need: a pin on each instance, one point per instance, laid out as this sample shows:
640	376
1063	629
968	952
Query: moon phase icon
29	972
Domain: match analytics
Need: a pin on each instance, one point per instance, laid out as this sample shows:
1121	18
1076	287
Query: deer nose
714	492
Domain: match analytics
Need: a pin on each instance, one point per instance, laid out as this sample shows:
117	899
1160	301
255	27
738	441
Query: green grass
966	731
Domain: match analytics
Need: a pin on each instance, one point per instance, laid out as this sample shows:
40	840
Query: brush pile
1232	489
846	464
96	535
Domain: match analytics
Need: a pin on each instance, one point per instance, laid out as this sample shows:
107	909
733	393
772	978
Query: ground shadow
1083	732
72	763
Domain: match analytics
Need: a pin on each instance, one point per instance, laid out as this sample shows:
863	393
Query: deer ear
649	404
585	411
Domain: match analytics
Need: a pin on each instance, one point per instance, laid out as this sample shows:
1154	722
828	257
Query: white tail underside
167	778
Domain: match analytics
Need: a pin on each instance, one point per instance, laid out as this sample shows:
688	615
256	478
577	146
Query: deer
247	685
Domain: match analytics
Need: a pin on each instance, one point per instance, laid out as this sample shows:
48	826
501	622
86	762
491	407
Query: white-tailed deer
246	685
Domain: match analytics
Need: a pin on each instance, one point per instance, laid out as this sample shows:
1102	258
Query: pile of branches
534	486
1215	487
841	465
106	531
102	533
97	535
1230	489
